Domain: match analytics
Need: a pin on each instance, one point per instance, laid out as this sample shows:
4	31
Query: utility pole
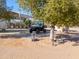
19	14
20	17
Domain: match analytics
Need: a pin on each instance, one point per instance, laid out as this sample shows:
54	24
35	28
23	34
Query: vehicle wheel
37	31
30	31
44	30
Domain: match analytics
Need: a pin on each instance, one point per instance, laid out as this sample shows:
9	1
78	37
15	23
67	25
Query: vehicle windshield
37	23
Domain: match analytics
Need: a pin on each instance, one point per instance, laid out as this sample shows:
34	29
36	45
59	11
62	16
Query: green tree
63	13
56	12
34	5
2	11
6	14
27	22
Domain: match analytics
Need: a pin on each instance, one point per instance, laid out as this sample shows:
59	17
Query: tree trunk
52	35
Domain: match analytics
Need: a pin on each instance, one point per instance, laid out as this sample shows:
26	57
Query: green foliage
27	22
5	14
2	11
34	5
61	12
55	12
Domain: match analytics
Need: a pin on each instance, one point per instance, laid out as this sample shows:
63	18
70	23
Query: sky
13	5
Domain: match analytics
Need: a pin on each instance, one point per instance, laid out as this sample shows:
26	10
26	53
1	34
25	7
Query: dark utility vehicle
37	26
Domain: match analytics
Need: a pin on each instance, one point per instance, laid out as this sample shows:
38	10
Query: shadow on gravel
15	36
23	34
73	36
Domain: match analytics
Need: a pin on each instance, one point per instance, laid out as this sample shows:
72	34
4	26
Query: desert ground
23	48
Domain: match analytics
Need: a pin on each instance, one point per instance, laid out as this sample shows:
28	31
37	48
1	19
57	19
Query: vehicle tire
30	31
44	30
37	31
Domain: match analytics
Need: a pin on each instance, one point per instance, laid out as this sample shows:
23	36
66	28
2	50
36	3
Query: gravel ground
22	48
